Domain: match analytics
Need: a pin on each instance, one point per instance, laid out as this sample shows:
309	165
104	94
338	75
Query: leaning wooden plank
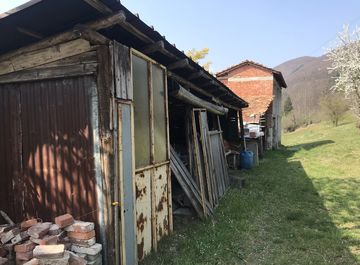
44	56
6	218
185	188
198	162
186	174
203	137
188	181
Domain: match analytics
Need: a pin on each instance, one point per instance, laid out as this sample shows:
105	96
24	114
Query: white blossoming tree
345	58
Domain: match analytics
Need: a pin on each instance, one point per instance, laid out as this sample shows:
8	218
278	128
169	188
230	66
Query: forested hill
308	79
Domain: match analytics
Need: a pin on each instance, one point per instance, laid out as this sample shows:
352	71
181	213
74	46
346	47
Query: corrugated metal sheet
46	162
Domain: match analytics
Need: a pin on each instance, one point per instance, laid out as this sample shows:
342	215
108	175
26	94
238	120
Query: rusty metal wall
143	213
46	158
152	207
161	201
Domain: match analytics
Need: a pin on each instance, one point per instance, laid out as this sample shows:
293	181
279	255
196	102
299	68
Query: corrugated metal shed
47	147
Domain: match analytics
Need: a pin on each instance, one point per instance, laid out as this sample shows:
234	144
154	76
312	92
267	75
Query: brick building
261	87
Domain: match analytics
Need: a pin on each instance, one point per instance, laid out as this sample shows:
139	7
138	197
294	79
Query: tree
345	59
334	107
288	107
198	55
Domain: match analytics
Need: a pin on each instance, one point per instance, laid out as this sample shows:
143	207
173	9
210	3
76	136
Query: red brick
64	220
28	223
24	255
27	246
82	235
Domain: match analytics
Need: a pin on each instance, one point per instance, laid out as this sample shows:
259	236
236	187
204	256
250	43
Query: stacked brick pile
41	243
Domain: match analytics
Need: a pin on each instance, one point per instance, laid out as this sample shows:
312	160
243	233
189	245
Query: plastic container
246	159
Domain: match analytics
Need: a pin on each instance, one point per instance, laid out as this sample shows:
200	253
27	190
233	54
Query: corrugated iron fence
46	157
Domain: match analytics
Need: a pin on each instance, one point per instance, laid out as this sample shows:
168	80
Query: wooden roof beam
99	6
199	90
154	47
30	33
183	63
107	22
198	75
209	83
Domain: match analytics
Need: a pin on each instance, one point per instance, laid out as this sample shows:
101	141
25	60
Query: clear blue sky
266	31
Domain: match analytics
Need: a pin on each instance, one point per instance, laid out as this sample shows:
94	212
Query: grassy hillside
300	206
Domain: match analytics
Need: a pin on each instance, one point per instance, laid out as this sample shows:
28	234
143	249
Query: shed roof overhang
39	19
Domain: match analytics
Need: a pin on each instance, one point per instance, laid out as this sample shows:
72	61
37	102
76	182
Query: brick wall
247	89
258	87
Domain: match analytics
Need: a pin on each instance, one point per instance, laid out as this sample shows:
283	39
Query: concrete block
97	261
80	226
49	251
66	242
4	228
24	255
46	240
81	235
32	262
28	223
76	260
7	236
93	250
54	230
39	230
25	247
84	243
64	260
93	258
22	236
64	220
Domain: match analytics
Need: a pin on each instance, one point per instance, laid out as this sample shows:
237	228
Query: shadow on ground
278	218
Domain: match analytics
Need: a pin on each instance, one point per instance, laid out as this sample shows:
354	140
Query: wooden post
242	134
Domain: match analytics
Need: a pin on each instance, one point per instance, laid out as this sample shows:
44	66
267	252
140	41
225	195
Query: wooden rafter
30	33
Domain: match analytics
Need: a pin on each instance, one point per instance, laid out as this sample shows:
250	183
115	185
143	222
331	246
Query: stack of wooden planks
207	179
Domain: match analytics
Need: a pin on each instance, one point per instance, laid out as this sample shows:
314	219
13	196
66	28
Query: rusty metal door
46	143
127	184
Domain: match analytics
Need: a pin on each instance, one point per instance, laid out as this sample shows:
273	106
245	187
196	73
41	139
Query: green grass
300	206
